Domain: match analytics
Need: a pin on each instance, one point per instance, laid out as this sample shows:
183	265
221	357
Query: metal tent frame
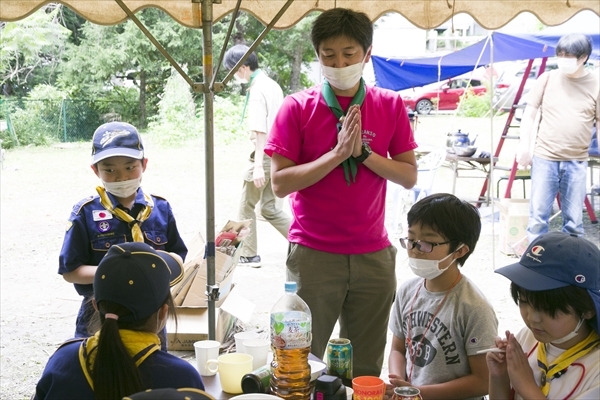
425	14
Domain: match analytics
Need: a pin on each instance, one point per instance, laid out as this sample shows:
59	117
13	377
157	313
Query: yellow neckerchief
563	361
134	224
139	345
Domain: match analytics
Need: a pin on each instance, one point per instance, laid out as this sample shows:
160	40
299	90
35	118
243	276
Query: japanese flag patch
101	215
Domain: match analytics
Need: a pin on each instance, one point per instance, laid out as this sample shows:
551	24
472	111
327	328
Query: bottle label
290	330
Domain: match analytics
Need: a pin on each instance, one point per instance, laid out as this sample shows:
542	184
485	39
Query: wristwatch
366	152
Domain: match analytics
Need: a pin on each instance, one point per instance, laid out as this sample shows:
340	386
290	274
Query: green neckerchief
349	164
248	94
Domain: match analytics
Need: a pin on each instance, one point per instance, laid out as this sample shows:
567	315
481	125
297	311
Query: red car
422	100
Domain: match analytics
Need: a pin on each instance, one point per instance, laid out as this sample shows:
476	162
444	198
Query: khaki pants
359	289
251	196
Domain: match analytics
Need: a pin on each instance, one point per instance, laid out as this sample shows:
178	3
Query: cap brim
123	152
529	279
175	265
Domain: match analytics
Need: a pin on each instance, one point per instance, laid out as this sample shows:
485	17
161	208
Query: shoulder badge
77	207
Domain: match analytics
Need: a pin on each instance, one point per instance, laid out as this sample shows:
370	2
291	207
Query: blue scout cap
116	139
171	394
557	259
137	277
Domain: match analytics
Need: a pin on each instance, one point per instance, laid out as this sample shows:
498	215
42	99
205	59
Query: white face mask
570	335
343	78
240	80
428	269
567	65
123	189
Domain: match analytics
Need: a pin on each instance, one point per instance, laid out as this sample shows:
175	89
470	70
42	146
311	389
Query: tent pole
234	16
253	46
493	201
212	290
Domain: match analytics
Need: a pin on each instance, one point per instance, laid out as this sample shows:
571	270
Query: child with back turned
121	212
441	319
133	298
556	285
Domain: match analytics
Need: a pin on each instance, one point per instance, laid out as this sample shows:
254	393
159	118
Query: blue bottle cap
291	286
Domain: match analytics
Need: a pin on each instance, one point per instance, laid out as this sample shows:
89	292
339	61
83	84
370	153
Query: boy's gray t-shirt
465	324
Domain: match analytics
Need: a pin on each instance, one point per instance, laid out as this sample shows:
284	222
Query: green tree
275	50
106	52
30	50
176	119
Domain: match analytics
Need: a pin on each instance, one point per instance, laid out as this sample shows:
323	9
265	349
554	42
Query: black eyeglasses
425	247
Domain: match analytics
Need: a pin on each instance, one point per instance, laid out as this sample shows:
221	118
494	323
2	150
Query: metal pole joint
199	87
212	292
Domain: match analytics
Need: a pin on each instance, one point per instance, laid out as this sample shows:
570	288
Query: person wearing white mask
556	355
120	212
567	102
334	147
440	320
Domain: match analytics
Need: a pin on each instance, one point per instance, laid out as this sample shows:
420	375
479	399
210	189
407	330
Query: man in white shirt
263	99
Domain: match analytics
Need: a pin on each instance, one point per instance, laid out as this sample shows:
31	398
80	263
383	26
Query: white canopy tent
425	14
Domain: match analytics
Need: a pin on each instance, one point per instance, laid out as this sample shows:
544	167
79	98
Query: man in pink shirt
333	148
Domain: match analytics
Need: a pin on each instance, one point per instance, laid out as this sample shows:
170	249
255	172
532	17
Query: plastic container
329	387
290	340
257	381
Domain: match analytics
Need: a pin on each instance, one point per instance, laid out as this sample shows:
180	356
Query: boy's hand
497	361
395	381
389	391
519	371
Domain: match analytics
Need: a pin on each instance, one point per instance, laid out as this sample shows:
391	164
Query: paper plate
255	396
316	368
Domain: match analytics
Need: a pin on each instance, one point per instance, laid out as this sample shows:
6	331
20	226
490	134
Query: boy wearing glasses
441	319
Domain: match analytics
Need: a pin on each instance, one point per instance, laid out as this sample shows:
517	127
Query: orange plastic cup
368	388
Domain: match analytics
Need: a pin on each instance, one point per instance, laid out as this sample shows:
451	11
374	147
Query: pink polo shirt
330	215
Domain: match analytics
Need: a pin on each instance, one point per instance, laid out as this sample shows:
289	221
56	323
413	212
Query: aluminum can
339	359
407	393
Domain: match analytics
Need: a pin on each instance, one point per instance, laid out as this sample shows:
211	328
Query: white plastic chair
402	199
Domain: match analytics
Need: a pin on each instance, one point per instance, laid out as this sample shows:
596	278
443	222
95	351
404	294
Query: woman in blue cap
133	299
556	285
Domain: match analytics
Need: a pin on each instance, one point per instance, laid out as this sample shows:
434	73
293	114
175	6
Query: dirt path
40	185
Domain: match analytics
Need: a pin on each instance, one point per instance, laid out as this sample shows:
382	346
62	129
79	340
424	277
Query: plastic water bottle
290	340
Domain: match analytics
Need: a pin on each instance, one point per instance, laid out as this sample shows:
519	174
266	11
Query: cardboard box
191	291
514	217
191	299
193	322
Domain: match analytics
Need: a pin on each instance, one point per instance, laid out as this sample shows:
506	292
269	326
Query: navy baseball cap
116	139
557	259
171	394
136	276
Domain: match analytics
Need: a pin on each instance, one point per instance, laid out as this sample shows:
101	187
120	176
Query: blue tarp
398	74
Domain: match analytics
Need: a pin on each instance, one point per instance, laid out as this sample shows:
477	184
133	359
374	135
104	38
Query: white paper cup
349	393
241	337
206	350
259	349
